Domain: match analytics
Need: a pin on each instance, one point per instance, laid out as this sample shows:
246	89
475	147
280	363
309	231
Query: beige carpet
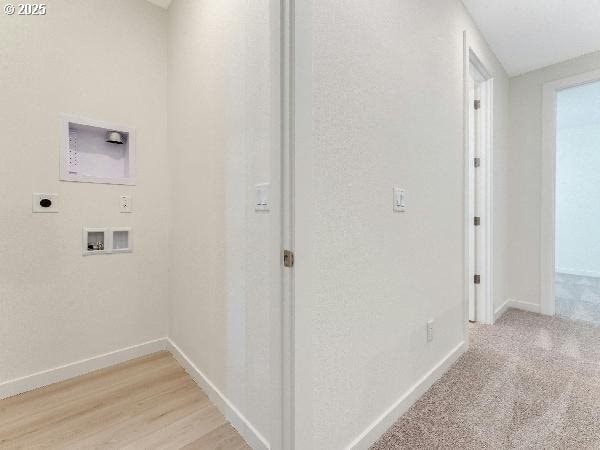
529	381
577	297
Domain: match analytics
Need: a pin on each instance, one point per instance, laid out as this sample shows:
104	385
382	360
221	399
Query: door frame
283	107
485	312
548	193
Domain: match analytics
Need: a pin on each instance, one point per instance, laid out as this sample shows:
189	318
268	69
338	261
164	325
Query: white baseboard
578	272
501	310
231	413
50	376
525	306
516	304
387	419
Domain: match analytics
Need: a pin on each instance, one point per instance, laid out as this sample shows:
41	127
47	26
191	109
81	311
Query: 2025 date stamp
25	9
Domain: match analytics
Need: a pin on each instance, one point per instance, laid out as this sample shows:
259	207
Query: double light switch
262	197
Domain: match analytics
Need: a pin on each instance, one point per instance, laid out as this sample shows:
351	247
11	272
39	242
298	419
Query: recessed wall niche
121	240
101	241
95	241
96	152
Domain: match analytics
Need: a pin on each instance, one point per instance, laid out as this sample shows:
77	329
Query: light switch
45	203
430	330
262	202
399	200
125	205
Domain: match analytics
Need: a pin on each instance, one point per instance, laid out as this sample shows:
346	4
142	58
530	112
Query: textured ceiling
162	3
530	34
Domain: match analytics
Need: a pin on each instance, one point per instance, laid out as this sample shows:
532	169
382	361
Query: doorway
571	287
478	188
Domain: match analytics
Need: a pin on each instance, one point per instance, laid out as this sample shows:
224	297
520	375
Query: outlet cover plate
125	205
262	197
44	203
430	330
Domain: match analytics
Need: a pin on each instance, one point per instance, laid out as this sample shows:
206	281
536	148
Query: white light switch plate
430	330
125	205
399	200
262	202
44	203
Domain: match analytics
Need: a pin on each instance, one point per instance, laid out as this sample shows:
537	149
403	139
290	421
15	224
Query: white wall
56	306
577	187
219	145
526	103
380	103
381	106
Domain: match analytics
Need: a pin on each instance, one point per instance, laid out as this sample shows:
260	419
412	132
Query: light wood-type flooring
145	403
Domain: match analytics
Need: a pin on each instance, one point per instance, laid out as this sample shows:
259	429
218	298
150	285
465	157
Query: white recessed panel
121	240
90	152
95	241
99	241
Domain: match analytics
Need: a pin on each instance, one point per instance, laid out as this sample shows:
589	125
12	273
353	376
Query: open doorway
478	233
571	245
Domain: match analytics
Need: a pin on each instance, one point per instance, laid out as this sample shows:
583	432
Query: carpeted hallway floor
578	297
529	381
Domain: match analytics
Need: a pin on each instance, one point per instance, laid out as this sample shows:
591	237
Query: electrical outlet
125	205
45	203
430	330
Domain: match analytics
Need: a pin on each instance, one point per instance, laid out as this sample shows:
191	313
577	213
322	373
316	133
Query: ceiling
530	34
162	3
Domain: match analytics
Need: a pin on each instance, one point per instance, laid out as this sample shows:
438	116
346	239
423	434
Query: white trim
516	304
277	366
226	406
578	272
303	160
487	88
547	217
467	269
485	309
283	360
61	373
524	306
400	406
500	310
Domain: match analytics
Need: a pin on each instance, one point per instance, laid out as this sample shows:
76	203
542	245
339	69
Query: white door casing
478	126
548	193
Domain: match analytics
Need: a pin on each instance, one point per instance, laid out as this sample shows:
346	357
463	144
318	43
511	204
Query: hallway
529	381
578	297
266	224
